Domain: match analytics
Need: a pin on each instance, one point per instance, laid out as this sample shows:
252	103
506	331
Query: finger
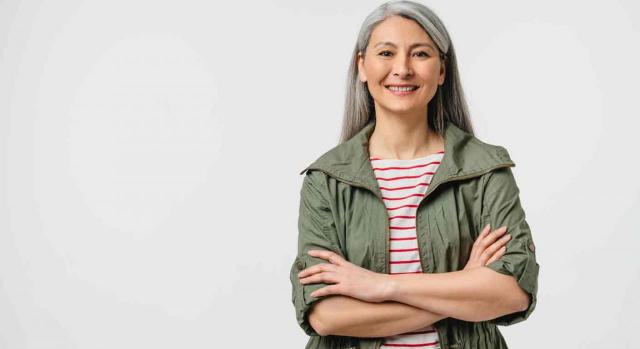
327	290
485	230
324	277
491	237
489	251
331	256
503	240
317	269
476	248
483	233
497	255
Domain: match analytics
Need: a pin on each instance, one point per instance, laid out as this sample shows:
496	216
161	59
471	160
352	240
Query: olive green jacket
341	210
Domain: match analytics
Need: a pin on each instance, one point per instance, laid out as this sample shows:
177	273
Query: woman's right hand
488	247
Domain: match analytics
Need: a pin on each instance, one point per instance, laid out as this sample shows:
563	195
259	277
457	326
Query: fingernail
487	226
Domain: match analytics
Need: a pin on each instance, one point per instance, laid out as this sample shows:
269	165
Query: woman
395	244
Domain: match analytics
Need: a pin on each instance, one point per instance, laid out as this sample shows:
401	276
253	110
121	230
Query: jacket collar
465	156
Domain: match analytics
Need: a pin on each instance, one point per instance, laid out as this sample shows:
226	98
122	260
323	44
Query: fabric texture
403	184
342	209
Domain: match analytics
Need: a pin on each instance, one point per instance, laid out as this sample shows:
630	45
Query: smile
401	90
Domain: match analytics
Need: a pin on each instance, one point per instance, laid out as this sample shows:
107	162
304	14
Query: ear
362	75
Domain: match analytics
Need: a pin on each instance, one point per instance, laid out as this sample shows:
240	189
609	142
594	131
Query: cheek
432	71
376	72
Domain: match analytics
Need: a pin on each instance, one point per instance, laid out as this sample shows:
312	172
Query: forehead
399	31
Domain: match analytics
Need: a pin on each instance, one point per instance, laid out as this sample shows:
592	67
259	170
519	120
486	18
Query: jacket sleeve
316	230
501	207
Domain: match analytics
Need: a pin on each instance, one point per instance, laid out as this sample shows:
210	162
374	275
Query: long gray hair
447	104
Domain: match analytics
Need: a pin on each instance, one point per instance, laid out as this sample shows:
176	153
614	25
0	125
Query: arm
346	316
501	206
487	293
316	230
478	294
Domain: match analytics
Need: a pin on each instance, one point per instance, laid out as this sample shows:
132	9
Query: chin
403	107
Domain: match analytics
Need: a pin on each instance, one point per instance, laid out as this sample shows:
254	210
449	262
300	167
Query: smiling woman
395	239
400	45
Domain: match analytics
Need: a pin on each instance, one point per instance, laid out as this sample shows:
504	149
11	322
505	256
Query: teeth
402	89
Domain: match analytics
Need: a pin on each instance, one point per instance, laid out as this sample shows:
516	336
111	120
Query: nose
402	67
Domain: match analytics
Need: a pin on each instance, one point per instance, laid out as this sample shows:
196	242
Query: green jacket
341	210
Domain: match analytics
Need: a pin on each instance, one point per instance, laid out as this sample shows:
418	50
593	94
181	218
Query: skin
363	303
349	316
401	127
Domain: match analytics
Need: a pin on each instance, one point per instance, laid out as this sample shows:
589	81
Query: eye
388	53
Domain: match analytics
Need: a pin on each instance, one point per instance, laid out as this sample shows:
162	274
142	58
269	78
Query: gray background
150	153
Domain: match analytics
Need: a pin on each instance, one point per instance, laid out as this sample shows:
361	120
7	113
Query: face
400	52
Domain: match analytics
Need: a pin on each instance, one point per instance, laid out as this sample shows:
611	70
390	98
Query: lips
401	90
400	85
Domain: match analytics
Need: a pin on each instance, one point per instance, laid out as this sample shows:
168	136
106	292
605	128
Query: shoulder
469	154
344	159
474	145
347	157
335	155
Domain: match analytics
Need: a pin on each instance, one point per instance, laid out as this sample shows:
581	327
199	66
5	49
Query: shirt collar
464	156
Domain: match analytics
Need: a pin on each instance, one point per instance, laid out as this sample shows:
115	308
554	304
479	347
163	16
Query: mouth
401	90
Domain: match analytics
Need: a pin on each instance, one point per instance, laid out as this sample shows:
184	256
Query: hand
487	247
347	278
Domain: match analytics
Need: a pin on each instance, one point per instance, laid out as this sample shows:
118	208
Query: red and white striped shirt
403	184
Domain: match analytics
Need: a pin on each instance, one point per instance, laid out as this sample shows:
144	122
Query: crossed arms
504	295
420	300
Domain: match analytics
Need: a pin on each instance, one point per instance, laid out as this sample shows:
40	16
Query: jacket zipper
431	189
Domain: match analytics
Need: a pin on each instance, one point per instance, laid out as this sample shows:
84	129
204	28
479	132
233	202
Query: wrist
391	287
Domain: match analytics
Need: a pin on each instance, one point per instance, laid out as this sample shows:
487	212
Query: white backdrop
150	153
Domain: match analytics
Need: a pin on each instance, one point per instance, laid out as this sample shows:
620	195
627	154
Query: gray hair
447	104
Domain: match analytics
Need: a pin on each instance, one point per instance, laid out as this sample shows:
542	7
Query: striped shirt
403	184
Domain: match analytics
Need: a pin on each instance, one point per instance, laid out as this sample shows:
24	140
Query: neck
403	138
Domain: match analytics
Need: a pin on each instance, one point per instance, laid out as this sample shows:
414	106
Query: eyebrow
410	47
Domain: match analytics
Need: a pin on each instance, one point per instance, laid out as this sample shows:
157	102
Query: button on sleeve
501	207
316	231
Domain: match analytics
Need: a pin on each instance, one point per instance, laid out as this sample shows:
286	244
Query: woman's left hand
347	278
